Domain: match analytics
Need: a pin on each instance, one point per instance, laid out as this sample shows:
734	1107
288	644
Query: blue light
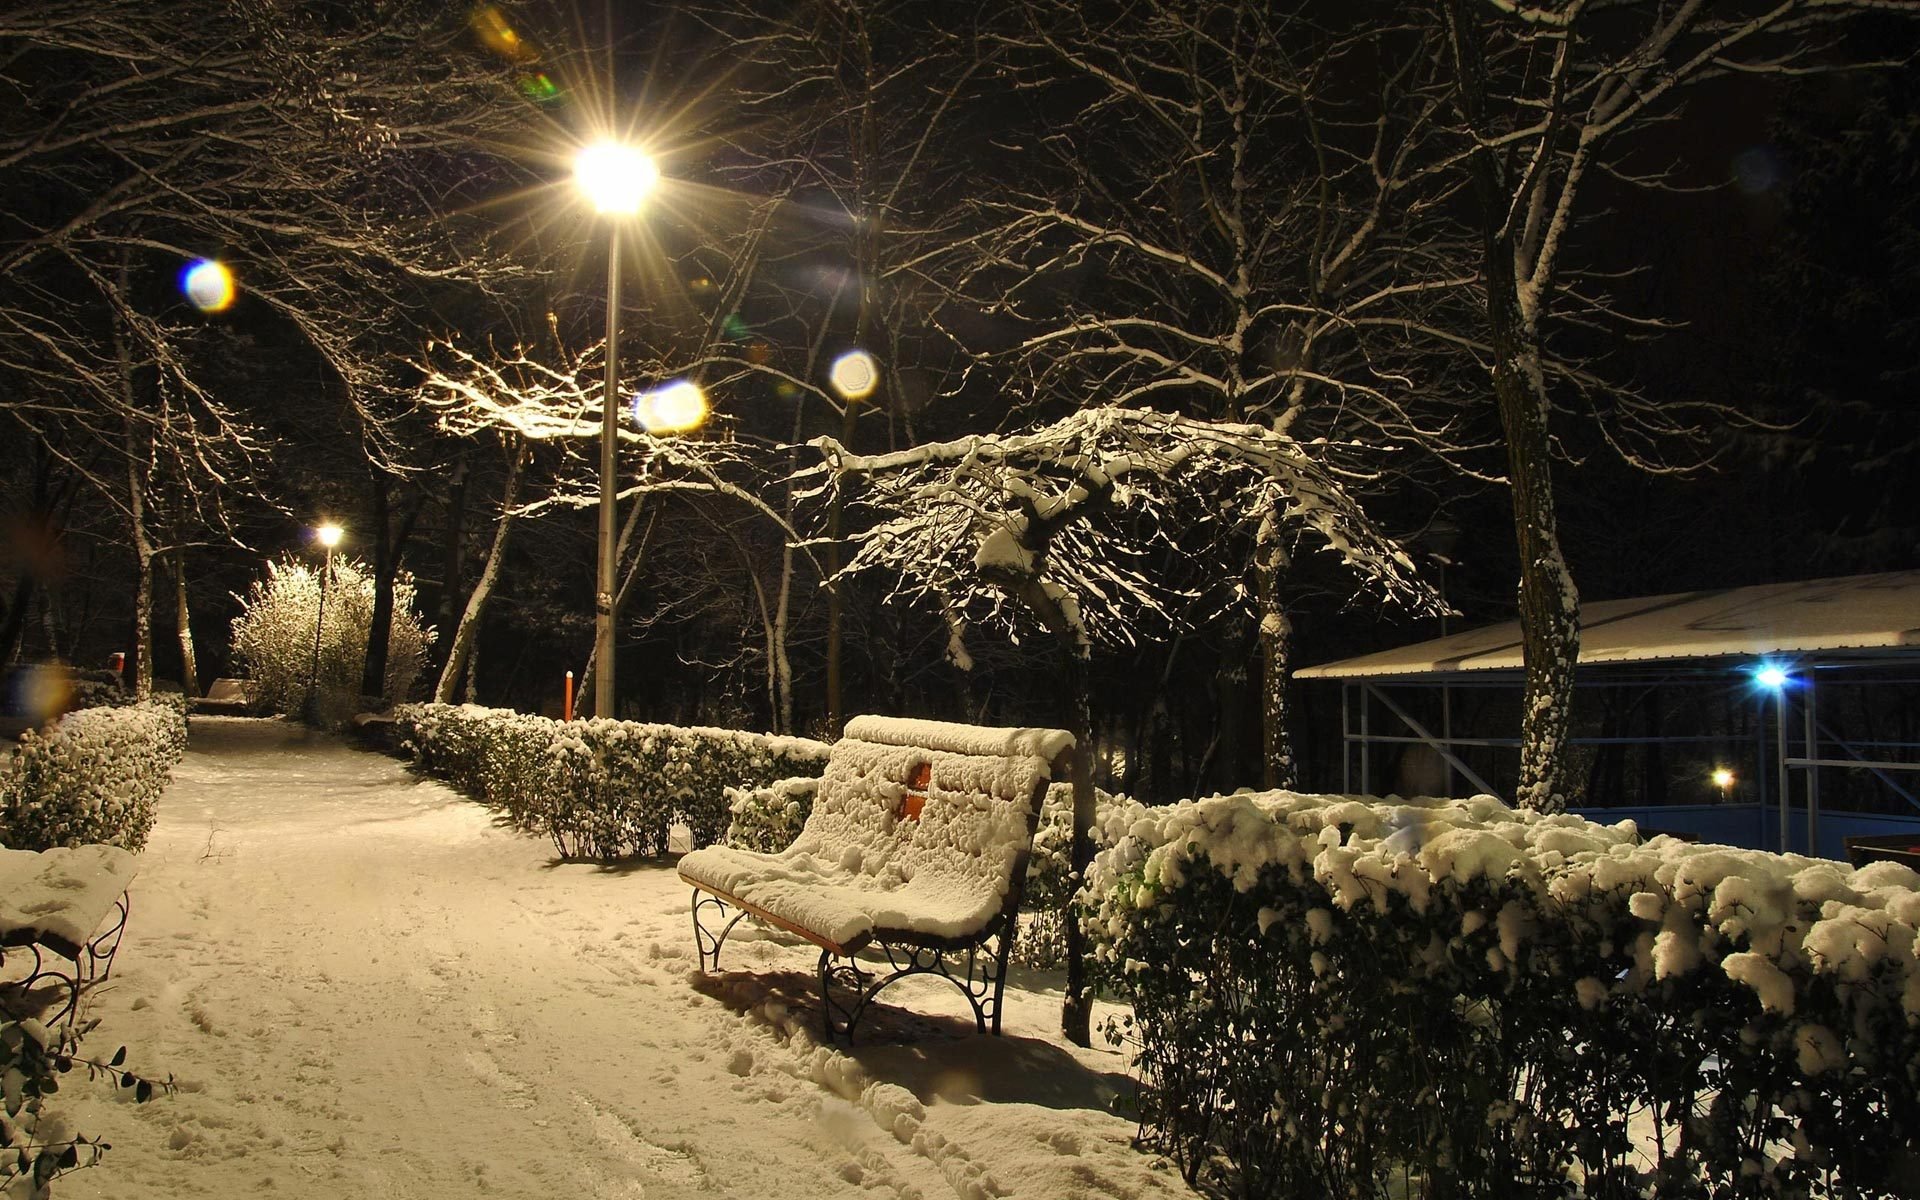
1770	675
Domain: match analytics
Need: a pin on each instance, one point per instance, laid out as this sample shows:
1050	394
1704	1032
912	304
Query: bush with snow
94	776
767	819
601	789
273	638
1349	996
37	1146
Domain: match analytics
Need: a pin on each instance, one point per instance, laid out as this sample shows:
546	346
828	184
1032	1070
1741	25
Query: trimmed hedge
1337	996
94	776
601	789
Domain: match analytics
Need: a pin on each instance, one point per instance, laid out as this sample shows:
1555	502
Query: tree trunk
1076	1009
373	672
1549	603
453	556
142	650
1270	564
183	626
460	651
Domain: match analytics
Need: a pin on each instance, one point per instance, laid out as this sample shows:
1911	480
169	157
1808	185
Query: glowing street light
616	179
1770	675
207	285
328	535
1723	779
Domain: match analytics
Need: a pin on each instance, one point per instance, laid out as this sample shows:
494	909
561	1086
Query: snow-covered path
364	987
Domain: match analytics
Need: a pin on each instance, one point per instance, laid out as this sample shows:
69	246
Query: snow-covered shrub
1043	933
273	638
767	819
1340	995
37	1146
600	788
95	776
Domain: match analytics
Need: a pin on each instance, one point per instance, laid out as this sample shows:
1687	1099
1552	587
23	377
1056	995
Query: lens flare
39	693
615	177
1770	675
207	285
854	375
676	407
539	87
497	34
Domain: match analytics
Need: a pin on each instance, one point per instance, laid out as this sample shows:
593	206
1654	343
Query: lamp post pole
329	536
603	652
616	179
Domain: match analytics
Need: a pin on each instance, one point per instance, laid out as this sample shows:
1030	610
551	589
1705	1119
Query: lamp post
616	179
328	536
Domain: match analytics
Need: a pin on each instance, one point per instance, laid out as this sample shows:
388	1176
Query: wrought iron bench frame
92	960
980	975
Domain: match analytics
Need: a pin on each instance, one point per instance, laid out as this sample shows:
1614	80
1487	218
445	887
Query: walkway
366	988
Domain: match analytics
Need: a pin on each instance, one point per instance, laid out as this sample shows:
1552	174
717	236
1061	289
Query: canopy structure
1854	616
1782	637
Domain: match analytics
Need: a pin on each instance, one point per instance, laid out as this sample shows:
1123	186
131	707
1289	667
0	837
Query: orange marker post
567	708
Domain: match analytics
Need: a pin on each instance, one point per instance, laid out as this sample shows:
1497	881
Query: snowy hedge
1354	997
601	789
95	776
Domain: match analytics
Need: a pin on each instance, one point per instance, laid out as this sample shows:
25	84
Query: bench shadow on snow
936	1055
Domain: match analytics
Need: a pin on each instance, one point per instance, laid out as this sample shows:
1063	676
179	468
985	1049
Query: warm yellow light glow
616	178
1722	778
328	535
208	285
675	407
854	375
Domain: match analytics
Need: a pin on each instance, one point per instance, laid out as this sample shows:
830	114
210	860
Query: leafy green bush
600	789
1348	997
768	818
95	776
36	1146
273	638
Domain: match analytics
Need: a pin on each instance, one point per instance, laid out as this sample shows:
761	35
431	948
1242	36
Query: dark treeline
1437	247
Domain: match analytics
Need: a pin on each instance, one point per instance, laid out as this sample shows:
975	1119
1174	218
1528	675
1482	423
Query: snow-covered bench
917	845
72	902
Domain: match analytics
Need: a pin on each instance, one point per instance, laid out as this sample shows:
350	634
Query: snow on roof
1854	612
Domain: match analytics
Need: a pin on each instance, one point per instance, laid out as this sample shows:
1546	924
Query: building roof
1853	613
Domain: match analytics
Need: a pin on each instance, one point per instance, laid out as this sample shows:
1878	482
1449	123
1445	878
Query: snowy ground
364	987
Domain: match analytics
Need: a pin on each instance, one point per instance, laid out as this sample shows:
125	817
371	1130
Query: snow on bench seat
58	899
919	834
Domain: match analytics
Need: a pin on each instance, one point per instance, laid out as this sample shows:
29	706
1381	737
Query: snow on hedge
601	788
93	777
1589	975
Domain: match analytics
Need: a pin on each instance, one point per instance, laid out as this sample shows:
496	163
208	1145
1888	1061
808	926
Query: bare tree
1056	526
1241	223
1549	98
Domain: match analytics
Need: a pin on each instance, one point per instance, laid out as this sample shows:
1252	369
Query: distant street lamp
616	179
328	536
1723	779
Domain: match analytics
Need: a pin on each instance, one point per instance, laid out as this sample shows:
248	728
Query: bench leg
839	1019
983	982
705	942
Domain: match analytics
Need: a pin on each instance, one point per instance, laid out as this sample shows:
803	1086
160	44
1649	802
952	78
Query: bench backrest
977	790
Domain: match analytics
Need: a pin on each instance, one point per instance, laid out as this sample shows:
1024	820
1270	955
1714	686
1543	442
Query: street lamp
1723	779
616	179
328	536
